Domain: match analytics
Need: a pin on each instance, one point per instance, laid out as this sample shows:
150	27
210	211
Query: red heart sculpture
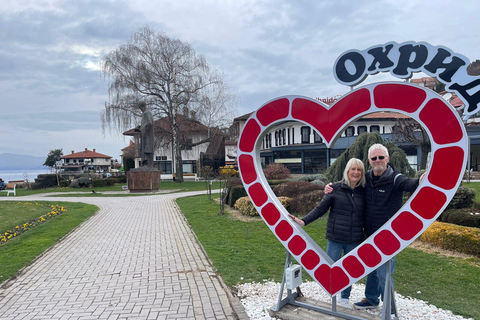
449	156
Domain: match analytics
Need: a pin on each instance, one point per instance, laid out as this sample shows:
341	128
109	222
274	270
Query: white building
86	161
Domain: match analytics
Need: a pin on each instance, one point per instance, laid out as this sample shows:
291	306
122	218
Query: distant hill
10	161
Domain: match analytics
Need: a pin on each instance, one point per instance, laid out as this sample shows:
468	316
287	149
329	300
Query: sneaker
344	302
364	304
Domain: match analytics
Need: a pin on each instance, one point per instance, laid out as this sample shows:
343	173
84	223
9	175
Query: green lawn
22	250
473	185
449	283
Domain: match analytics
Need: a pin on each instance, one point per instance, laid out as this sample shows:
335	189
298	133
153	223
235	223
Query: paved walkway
136	258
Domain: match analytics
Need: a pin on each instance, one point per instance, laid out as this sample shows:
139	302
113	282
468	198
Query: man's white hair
377	146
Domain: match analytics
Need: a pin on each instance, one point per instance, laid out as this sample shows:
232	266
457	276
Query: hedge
462	217
104	182
452	237
46	181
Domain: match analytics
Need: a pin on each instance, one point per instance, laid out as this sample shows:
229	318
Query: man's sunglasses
375	158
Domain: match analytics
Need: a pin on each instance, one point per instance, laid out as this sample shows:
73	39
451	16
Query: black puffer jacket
344	224
384	197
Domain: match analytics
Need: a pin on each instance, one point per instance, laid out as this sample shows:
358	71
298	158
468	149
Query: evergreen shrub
235	193
463	198
82	182
452	237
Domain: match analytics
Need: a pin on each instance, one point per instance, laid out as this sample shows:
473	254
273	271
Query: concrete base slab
290	312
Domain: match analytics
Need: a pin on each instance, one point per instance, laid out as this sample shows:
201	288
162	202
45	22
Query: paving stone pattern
136	258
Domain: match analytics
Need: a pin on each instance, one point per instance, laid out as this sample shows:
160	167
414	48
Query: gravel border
259	298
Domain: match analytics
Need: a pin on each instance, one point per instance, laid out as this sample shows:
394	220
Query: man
2	184
383	195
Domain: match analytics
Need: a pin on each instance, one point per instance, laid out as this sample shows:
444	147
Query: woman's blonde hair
354	162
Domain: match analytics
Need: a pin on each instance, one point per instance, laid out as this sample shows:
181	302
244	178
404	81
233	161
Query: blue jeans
375	286
334	251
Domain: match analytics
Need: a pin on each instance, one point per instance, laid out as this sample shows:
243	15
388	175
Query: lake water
11	175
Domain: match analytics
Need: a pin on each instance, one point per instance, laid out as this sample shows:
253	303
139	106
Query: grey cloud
52	121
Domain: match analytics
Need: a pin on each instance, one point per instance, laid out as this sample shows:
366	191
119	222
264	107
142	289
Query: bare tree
215	107
165	73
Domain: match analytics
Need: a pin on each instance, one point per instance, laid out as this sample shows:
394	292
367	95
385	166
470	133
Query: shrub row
104	182
82	182
44	181
452	237
462	217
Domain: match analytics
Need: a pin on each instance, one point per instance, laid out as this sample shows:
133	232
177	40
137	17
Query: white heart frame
449	149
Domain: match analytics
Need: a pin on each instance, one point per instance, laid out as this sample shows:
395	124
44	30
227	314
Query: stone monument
145	178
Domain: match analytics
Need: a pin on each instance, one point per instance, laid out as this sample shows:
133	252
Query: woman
345	221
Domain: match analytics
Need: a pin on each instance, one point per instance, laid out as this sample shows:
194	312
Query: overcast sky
52	92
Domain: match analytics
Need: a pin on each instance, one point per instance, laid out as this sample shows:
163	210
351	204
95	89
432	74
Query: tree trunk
424	158
178	154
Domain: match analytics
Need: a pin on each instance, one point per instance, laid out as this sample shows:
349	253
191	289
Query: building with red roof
86	161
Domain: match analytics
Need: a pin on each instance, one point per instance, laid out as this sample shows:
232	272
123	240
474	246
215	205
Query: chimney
93	150
73	152
86	149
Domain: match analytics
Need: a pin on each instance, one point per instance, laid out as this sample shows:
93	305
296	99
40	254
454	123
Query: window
374	128
361	129
276	138
305	134
161	158
350	131
316	137
284	137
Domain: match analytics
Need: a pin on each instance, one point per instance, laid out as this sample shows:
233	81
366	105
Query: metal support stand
290	299
389	304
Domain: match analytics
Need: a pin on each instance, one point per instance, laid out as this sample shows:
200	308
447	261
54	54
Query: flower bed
54	211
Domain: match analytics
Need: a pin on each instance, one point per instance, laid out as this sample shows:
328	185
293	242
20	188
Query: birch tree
163	72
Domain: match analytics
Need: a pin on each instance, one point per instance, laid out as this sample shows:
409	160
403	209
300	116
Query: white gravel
259	298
